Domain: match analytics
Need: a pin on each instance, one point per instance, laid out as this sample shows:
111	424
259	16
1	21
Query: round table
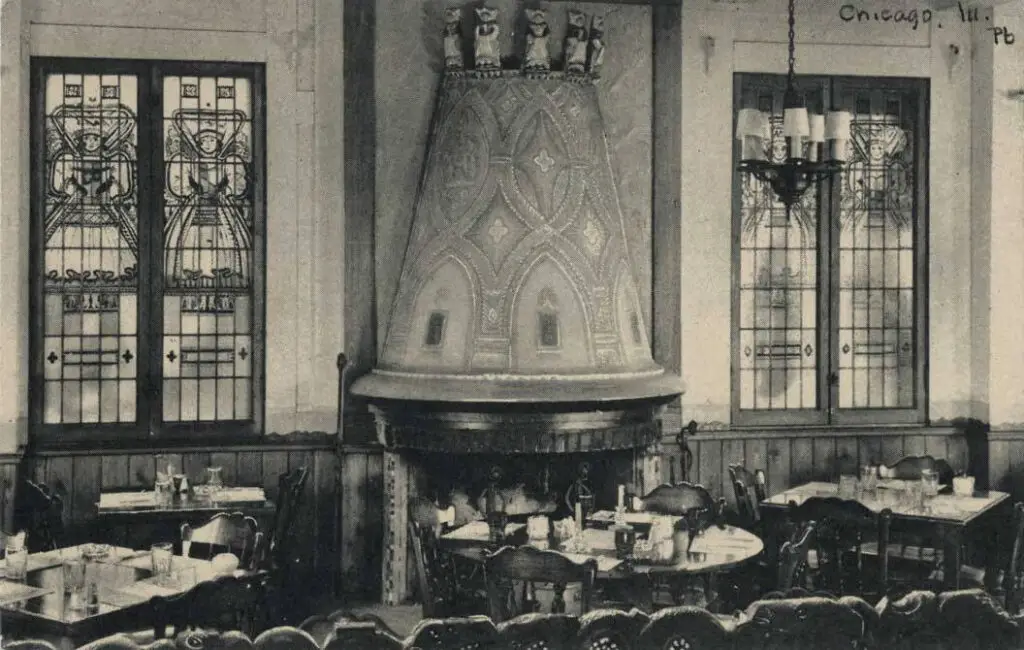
714	550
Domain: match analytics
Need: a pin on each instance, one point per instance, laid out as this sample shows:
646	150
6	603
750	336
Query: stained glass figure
208	248
90	249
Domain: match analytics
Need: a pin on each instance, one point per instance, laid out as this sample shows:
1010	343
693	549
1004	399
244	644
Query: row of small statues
583	52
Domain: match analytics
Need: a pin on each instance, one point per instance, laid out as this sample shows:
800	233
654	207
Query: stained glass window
146	214
828	299
90	249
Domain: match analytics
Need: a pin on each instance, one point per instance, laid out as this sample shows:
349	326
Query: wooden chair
29	644
285	637
611	629
801	624
842	528
444	589
291	488
750	489
910	468
688	500
224	603
532	567
224	533
684	627
40	513
793	558
466	633
539	632
322	626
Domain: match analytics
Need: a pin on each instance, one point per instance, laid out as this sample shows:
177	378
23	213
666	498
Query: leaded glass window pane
207	249
778	289
876	255
90	249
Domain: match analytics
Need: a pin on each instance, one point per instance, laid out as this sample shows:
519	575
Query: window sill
859	431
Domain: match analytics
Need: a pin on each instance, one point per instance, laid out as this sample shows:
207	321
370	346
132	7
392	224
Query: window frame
827	413
151	178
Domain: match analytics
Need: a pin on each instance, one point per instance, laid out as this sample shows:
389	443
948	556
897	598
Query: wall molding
717	431
294	441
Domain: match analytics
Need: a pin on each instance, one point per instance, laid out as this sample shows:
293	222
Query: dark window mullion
154	230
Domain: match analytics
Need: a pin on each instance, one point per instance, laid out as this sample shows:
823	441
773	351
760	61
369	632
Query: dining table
714	550
119	582
982	517
138	517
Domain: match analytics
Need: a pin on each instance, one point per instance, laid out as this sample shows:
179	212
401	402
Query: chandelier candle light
815	144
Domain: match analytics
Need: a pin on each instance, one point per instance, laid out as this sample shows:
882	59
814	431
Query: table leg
952	555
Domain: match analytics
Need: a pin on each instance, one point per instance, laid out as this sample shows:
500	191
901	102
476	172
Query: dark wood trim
259	259
820	432
296	441
360	148
666	194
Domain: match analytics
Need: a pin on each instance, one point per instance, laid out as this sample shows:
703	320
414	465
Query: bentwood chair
750	490
225	532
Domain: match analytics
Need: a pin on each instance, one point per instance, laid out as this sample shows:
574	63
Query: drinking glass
214	482
930	482
162	554
73	567
847	487
868	482
625	540
17	562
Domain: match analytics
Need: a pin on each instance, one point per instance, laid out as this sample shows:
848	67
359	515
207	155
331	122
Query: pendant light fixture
815	144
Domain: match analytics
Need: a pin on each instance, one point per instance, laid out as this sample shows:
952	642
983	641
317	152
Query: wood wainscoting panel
792	458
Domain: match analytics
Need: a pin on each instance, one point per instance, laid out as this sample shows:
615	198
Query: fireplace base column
395	574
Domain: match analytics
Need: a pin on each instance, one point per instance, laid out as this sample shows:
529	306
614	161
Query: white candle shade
748	122
837	125
817	128
795	123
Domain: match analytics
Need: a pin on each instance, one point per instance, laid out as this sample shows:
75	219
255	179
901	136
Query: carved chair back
842	529
688	500
466	633
224	603
684	627
539	632
750	489
813	623
910	468
41	515
611	629
224	533
291	487
321	626
513	575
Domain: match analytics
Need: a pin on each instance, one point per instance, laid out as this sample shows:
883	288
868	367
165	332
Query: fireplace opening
528	483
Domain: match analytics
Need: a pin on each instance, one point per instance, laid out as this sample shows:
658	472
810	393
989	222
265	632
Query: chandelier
815	144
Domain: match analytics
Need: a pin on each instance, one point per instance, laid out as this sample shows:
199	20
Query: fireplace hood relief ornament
516	292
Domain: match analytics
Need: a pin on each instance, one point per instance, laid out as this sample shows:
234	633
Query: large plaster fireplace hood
517	324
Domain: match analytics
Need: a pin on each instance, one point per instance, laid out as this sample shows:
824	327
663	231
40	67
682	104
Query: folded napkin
604	563
253	494
478	531
721	542
127	499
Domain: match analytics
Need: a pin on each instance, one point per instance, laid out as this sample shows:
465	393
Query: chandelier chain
792	41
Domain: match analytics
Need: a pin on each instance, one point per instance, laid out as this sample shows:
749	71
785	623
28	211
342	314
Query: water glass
930	482
161	554
73	567
17	563
847	487
868	482
625	540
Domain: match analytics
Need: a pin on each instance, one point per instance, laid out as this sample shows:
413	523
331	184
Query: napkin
12	592
604	563
253	494
127	499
